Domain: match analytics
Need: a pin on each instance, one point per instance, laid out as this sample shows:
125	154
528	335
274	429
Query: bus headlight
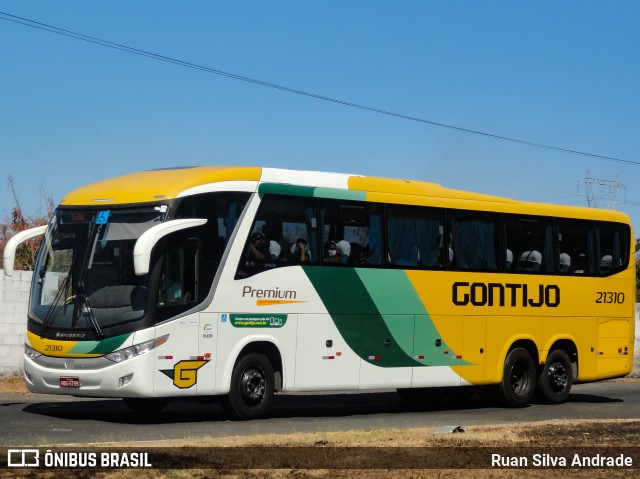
30	352
136	350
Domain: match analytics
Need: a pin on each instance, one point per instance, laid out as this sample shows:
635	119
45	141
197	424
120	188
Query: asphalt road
36	420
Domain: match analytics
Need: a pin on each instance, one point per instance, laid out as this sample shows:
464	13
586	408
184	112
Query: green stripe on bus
311	192
338	194
380	315
395	295
105	346
279	189
358	319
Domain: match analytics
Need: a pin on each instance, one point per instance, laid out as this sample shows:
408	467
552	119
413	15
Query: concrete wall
14	300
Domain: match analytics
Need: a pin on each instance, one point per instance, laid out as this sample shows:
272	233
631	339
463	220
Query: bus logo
184	373
23	458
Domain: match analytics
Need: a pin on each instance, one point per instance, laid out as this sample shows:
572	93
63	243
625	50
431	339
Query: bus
234	283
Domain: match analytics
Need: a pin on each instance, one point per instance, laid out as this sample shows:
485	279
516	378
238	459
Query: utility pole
595	188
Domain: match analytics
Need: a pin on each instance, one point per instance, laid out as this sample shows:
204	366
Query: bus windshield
84	276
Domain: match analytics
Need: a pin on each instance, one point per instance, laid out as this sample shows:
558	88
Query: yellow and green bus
239	282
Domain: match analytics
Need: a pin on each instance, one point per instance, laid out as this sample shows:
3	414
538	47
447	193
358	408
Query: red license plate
69	382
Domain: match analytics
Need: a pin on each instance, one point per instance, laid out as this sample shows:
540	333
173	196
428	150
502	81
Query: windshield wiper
86	309
49	316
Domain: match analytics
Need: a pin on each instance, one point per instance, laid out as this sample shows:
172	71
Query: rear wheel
556	378
518	384
252	388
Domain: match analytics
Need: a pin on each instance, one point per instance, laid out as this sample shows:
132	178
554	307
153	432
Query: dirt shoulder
13	384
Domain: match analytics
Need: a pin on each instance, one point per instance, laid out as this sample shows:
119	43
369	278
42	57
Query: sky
560	74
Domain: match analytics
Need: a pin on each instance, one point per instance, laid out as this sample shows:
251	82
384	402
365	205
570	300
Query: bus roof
153	186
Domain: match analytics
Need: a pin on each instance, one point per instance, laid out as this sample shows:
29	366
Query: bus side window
531	241
284	233
355	230
473	240
613	248
415	236
576	247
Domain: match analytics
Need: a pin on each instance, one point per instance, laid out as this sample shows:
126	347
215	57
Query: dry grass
403	442
13	384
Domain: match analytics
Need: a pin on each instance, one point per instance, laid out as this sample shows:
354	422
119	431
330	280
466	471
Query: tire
556	378
252	388
145	405
519	376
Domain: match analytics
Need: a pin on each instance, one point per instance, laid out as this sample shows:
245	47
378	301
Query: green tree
17	221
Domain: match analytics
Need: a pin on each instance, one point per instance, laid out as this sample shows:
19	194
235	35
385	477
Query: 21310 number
610	297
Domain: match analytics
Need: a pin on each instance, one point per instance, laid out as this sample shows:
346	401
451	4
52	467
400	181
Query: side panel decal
378	312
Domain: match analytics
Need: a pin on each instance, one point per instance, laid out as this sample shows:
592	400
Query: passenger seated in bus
606	263
508	260
581	264
257	256
529	261
258	249
343	249
564	263
355	254
359	254
300	252
274	251
330	253
365	255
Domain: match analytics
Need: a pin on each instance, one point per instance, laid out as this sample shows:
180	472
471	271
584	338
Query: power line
117	46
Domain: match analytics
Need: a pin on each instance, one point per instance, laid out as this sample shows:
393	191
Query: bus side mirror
148	239
9	255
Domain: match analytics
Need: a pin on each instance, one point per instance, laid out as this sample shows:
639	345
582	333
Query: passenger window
529	242
415	237
613	248
576	247
473	240
351	233
284	233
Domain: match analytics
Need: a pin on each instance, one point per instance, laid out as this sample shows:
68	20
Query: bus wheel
554	382
518	378
145	405
252	387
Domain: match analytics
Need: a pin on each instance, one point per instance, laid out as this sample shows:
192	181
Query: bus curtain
474	245
414	241
375	240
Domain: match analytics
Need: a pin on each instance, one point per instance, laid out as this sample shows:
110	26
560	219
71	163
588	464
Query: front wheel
518	384
252	388
556	378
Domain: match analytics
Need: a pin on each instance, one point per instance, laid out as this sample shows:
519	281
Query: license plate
69	382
